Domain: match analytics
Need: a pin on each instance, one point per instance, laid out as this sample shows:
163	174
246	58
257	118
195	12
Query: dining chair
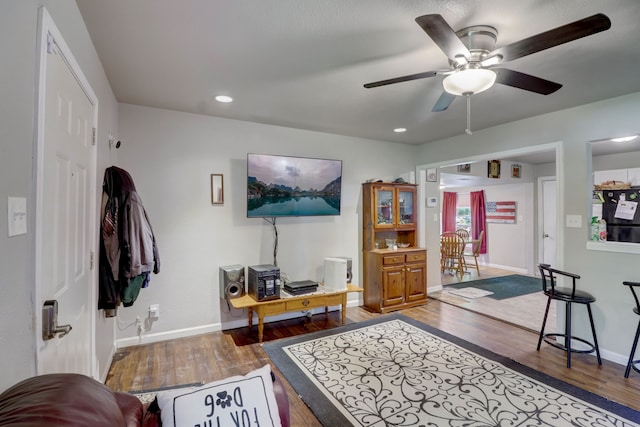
463	233
451	249
474	252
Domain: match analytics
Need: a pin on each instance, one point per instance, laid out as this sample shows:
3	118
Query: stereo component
335	273
232	281
263	282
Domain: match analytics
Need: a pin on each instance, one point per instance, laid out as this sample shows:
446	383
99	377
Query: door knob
50	326
545	235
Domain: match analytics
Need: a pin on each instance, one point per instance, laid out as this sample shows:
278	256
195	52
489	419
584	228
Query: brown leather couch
77	400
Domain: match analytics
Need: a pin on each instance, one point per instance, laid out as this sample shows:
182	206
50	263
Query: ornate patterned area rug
396	371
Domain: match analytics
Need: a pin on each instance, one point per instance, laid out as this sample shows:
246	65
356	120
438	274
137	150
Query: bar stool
633	363
569	296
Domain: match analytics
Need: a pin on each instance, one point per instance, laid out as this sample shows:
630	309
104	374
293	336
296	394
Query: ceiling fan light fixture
469	81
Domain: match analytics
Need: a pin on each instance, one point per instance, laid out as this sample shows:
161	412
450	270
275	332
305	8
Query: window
463	218
463	212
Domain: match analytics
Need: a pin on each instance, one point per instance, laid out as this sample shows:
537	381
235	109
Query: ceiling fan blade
443	102
525	81
560	35
401	79
443	35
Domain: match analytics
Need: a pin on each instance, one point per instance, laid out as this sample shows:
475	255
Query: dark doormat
503	287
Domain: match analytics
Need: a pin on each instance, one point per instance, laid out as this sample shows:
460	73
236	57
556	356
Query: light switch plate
574	221
17	215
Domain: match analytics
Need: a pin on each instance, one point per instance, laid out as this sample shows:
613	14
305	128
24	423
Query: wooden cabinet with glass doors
394	268
389	212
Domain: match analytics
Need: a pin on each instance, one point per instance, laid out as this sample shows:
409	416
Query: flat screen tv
281	186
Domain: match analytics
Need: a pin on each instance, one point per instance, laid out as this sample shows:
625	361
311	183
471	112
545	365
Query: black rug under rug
396	371
503	287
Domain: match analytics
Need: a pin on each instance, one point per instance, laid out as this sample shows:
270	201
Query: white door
549	222
65	208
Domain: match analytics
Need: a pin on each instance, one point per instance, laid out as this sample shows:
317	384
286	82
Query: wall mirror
217	189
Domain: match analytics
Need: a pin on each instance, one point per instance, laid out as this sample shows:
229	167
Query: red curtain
449	201
478	222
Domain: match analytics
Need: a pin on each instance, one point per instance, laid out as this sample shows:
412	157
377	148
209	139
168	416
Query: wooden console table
322	297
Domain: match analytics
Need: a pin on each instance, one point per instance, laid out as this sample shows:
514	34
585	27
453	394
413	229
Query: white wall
509	246
617	161
602	272
170	156
18	28
149	150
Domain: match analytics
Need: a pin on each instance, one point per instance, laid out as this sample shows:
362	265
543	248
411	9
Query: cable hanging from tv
272	221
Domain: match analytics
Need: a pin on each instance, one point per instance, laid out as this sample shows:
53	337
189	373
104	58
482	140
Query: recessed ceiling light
625	138
224	98
400	130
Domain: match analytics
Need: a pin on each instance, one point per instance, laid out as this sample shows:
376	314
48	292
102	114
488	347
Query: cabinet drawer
393	259
273	308
418	256
314	301
303	304
333	300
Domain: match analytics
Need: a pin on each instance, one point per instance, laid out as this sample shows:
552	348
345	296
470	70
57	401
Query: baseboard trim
168	335
213	327
432	289
106	367
509	268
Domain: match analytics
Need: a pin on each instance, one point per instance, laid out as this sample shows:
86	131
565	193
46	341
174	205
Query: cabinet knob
305	302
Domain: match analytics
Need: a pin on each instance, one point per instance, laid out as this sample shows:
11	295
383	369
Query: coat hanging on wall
128	249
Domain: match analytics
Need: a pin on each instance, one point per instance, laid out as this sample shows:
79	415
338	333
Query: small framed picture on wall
464	168
516	170
493	169
432	175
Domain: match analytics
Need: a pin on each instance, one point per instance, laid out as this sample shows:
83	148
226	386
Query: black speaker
232	281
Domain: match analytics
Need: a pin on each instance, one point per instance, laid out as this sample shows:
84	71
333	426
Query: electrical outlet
154	311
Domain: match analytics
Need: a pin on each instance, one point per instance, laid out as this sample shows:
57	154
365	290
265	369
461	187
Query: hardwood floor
216	355
485	273
526	311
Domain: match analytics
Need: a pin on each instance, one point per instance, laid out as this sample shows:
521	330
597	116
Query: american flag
501	212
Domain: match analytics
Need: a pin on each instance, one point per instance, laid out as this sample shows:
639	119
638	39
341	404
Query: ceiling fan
475	63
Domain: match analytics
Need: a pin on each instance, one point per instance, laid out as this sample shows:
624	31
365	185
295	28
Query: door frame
540	225
46	30
428	236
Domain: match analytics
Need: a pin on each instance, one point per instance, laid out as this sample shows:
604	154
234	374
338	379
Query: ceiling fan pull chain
468	129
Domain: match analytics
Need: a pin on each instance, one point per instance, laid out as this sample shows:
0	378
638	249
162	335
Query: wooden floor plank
217	355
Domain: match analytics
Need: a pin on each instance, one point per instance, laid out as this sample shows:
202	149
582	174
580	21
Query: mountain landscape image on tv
280	186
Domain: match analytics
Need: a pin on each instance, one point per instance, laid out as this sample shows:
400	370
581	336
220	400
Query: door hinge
91	260
93	137
51	43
